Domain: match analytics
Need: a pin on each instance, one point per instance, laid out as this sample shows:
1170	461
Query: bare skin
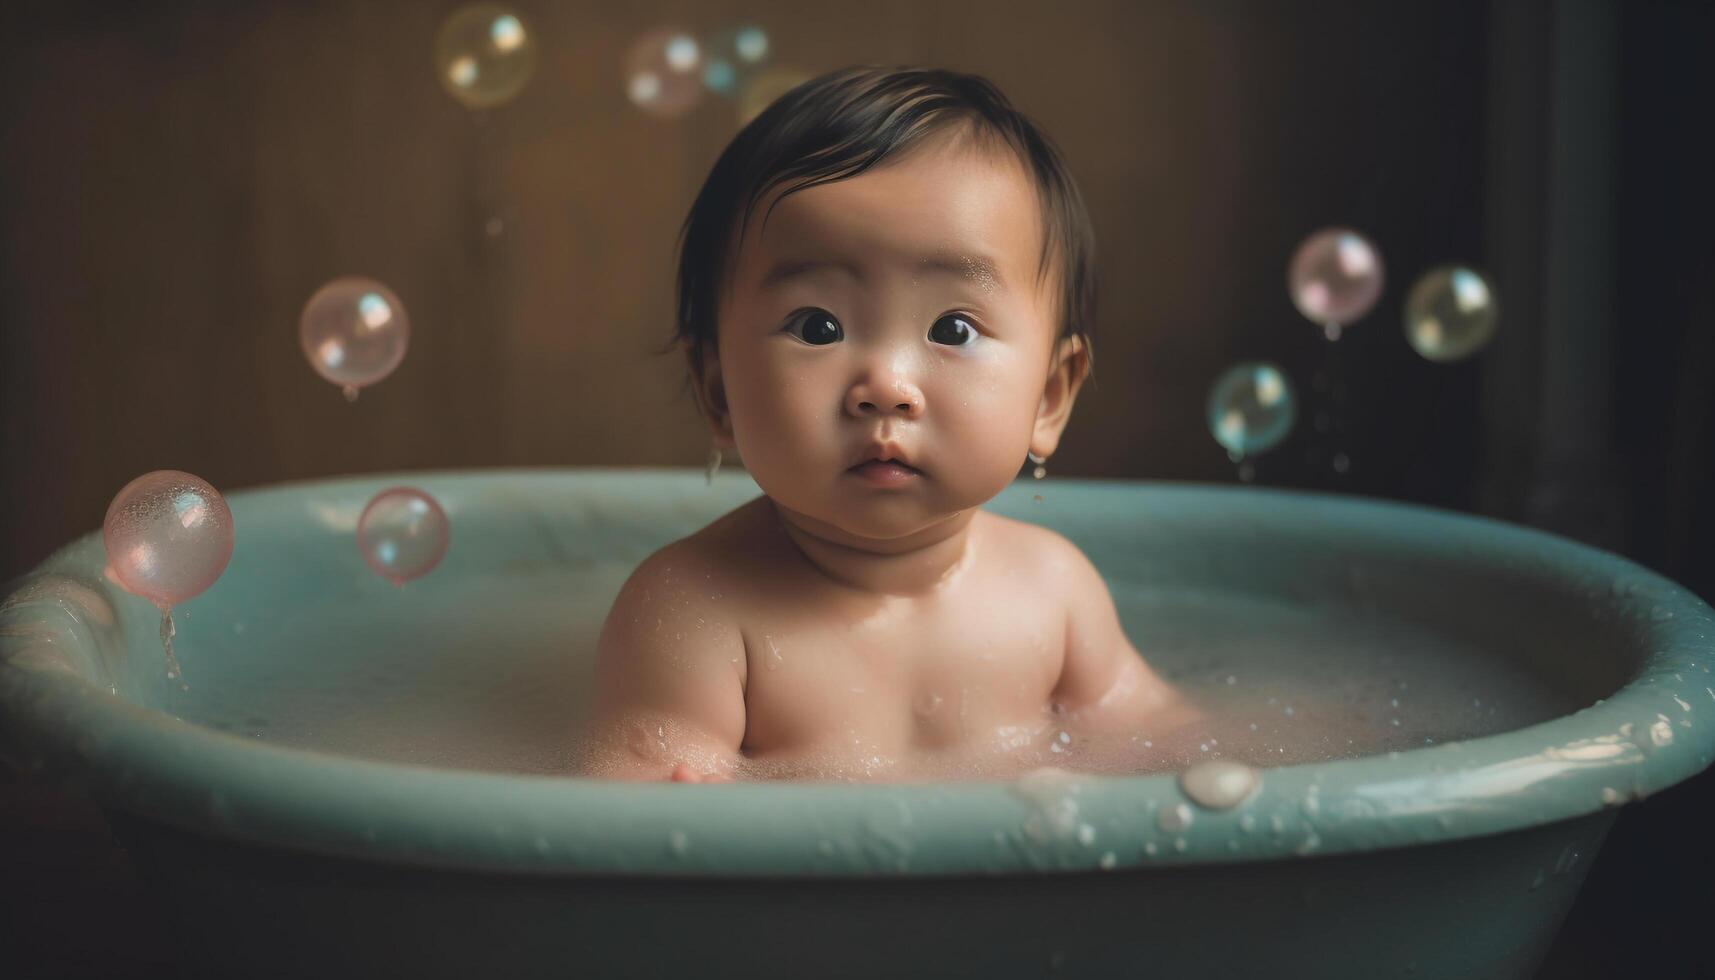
859	624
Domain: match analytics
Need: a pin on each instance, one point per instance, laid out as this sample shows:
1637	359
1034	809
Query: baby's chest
927	681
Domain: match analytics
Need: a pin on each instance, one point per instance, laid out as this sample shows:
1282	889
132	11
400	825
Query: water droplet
1109	859
773	659
1661	732
1611	796
1175	819
1218	784
678	843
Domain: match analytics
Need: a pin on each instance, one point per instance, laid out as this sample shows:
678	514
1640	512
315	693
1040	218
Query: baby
886	288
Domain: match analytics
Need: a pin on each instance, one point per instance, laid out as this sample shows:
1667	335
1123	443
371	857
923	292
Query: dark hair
841	124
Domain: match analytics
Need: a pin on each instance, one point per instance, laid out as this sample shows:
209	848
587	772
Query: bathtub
1449	860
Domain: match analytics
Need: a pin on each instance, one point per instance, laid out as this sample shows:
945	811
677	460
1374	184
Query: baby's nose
895	396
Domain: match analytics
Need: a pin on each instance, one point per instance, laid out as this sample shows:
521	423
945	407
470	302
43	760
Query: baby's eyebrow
977	268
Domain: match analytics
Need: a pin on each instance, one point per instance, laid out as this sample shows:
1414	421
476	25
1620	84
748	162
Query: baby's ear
1071	365
710	389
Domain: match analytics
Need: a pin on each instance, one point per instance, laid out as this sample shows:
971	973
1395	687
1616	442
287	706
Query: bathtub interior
482	663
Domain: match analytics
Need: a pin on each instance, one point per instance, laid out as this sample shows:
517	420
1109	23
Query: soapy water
497	678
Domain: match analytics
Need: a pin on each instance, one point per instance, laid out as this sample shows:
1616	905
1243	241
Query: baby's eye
820	328
953	330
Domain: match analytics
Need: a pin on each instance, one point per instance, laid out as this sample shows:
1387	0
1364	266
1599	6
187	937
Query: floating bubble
732	57
1450	313
1251	408
664	72
1335	278
354	332
760	92
168	536
402	534
485	54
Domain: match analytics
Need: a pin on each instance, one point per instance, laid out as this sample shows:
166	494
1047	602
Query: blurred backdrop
176	180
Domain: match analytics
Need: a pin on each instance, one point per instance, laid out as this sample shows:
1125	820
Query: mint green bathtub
1451	860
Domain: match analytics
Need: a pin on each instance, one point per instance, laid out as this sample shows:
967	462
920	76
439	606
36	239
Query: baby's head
887	261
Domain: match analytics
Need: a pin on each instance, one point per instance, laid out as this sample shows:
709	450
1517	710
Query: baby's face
900	306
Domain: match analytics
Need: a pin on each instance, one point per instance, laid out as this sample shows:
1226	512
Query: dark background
176	179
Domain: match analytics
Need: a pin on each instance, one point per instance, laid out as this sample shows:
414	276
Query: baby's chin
871	516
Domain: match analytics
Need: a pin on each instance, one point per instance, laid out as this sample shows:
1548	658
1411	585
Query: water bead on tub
485	54
354	332
1252	407
402	534
1450	313
1335	277
168	536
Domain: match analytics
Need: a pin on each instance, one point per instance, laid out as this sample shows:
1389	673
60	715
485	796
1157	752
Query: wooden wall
179	178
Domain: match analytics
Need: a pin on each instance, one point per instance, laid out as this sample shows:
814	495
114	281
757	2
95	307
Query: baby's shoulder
1046	554
701	575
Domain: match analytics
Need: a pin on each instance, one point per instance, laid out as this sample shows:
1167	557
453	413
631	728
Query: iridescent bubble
354	331
1335	278
1251	408
485	54
1450	313
402	534
664	72
168	536
760	92
732	57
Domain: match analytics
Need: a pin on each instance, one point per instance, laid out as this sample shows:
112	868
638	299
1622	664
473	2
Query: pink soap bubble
402	534
168	536
1335	278
354	332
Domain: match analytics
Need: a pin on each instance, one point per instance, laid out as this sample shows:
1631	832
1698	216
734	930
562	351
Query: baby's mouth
885	472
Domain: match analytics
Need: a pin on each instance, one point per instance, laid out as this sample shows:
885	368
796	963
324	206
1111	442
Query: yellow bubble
1450	313
484	55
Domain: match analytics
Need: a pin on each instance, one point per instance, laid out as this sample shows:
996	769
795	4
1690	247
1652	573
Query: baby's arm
1104	684
669	689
